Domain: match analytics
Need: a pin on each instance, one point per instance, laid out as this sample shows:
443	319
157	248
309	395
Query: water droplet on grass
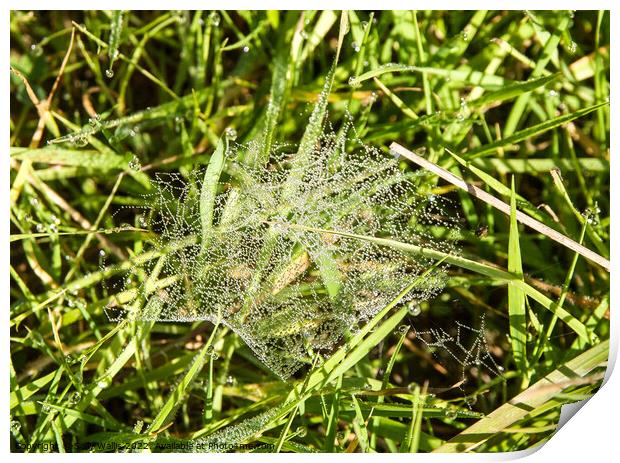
135	164
137	428
109	73
104	382
214	19
413	307
572	47
15	426
36	50
75	398
230	133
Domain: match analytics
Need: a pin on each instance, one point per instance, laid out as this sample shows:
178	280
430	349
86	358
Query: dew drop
278	227
134	164
36	50
102	253
104	382
414	308
230	133
75	398
451	414
15	426
572	47
137	428
301	431
214	19
109	73
356	47
246	49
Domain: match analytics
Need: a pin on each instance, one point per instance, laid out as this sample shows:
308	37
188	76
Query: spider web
468	346
276	266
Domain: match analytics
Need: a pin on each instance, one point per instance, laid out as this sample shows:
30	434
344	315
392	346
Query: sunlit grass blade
516	296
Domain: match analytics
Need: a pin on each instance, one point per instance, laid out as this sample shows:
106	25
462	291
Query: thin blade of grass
516	296
500	205
532	131
209	189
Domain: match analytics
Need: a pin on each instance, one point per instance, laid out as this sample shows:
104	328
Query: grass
515	103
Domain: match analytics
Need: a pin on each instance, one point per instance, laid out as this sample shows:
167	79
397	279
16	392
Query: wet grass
102	101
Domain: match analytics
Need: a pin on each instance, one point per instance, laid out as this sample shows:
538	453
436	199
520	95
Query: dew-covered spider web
467	346
275	261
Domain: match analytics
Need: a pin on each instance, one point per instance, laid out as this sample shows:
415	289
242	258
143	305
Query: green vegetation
105	106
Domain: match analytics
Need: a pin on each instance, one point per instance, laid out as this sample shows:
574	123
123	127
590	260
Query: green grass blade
464	76
512	91
516	295
208	192
116	30
532	131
